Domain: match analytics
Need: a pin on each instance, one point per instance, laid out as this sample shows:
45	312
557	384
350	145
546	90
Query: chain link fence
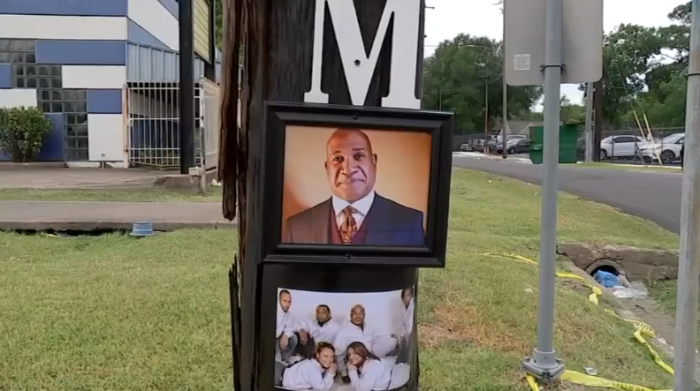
659	146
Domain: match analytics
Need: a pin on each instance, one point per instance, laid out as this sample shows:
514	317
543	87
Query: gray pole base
543	366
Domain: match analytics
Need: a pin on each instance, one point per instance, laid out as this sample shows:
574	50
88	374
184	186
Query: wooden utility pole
277	40
598	118
186	90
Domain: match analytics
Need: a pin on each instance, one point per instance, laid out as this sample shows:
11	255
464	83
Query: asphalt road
654	196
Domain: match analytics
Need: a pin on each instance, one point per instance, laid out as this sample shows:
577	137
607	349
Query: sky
483	18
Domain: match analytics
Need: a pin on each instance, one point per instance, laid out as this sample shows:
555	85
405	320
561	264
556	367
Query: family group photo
344	341
346	186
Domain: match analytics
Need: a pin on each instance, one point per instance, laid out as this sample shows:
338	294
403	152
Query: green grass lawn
113	313
150	195
665	293
629	167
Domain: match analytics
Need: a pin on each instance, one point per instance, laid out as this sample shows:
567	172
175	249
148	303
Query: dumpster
568	135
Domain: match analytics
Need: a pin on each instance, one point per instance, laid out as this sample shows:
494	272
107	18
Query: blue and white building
77	61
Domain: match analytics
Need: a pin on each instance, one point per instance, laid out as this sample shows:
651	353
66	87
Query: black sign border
279	115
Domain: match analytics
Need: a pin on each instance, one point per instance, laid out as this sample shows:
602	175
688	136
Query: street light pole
486	116
505	90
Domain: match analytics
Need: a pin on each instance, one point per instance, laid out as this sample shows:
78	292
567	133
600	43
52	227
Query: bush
22	132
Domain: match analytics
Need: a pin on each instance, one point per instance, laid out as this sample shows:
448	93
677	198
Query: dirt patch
432	335
464	324
575	285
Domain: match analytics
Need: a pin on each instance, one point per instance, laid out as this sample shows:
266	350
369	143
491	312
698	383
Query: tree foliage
463	75
218	22
22	132
643	74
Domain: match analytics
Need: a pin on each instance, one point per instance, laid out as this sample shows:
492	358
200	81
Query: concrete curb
108	225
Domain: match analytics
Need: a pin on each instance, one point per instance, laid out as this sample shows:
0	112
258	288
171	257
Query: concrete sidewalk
483	156
41	177
55	215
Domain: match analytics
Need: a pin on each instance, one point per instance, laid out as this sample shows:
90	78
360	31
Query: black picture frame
279	115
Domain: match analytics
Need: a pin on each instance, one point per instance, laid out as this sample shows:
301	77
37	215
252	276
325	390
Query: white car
620	146
465	147
668	149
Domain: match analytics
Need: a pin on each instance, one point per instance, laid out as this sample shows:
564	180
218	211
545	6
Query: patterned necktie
349	227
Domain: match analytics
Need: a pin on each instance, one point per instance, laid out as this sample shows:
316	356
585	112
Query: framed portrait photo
346	184
338	341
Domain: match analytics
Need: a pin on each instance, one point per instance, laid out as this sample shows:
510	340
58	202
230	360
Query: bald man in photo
355	214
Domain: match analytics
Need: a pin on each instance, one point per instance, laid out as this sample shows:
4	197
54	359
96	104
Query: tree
463	75
626	58
218	22
643	70
572	113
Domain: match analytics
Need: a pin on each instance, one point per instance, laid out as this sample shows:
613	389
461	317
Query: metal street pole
505	90
486	117
589	122
689	257
544	364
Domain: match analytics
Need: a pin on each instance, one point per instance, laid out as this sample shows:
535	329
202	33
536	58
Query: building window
17	51
75	118
49	89
51	97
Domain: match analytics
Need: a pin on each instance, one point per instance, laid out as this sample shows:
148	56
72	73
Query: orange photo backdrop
403	168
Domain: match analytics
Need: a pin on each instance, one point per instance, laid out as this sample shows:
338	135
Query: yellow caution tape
511	256
593	381
532	383
641	329
657	358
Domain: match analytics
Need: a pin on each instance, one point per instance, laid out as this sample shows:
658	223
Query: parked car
515	145
496	145
466	147
668	149
478	145
624	146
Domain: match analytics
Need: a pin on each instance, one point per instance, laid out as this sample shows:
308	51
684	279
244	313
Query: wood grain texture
276	37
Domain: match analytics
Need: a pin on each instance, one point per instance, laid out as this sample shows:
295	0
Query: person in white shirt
286	328
356	330
321	329
316	373
367	372
404	336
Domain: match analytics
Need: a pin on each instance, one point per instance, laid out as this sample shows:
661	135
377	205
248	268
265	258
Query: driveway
654	196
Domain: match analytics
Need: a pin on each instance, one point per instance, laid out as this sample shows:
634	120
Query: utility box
568	135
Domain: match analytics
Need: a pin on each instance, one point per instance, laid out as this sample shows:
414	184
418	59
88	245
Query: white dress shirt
375	375
351	333
307	375
362	207
322	333
285	323
407	321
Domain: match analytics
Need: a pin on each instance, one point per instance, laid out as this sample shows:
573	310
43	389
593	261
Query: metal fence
153	128
209	123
